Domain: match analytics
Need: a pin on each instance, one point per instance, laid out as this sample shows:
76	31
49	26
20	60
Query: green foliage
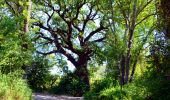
69	84
14	87
97	86
38	74
113	93
160	91
131	91
12	56
160	54
149	85
101	84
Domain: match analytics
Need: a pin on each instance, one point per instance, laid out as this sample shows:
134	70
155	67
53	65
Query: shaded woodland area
101	49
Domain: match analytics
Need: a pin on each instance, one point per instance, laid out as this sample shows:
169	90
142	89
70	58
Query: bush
147	87
38	75
113	93
107	89
131	91
14	88
69	84
97	86
101	84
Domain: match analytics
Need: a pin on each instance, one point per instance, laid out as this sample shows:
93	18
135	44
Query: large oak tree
71	28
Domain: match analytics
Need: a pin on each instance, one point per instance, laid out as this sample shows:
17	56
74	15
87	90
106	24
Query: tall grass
13	87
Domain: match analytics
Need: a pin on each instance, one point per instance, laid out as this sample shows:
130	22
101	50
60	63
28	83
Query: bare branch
76	27
144	19
47	53
10	6
79	6
87	17
94	32
99	40
49	18
143	7
44	37
40	25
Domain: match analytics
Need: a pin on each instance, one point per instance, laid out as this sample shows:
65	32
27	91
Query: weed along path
37	96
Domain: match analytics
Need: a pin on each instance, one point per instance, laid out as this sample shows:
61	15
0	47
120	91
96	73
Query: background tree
12	57
160	47
19	11
131	24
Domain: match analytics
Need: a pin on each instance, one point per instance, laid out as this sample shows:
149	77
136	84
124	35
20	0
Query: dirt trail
52	97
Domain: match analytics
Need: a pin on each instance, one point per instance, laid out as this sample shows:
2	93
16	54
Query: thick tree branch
40	25
47	53
99	40
94	32
69	57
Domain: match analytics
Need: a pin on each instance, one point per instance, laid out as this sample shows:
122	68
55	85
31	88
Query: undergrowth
13	87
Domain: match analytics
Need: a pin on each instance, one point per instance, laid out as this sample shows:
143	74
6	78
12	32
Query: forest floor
38	96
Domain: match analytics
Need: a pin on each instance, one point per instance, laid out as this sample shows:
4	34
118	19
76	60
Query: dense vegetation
103	50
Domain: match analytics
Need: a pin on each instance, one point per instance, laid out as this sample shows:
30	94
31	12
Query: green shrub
14	88
97	86
69	84
107	89
102	84
113	93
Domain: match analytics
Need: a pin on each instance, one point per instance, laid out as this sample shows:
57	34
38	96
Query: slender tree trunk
128	56
133	70
23	35
130	39
122	78
26	21
26	26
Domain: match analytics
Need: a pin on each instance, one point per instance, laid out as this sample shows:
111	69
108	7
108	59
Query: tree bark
83	76
26	21
122	78
165	7
82	73
128	56
133	70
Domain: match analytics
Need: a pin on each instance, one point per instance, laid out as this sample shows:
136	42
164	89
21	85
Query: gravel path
52	97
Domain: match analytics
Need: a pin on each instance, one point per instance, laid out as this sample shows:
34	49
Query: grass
14	88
